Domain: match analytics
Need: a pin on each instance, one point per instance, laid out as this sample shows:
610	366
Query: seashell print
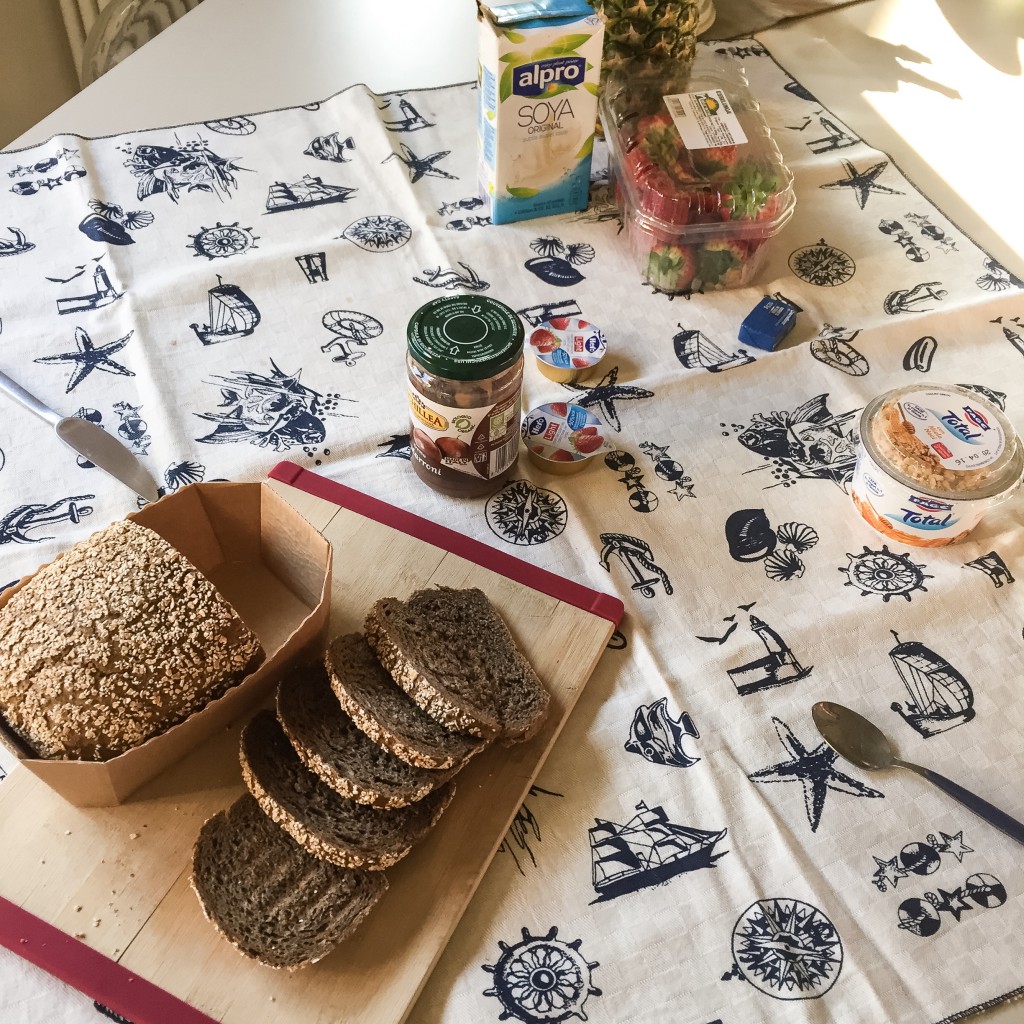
554	270
797	536
749	535
783	565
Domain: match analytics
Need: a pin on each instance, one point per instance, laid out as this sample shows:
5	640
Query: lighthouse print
778	667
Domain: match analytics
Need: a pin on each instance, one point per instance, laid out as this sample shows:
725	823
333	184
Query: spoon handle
1000	819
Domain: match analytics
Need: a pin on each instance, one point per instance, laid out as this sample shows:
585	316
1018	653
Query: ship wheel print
787	949
822	264
522	513
542	980
222	241
884	573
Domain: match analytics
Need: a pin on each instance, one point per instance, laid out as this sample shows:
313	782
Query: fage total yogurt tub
933	458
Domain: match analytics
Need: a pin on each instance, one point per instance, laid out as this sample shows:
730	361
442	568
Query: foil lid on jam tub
567	348
932	460
562	438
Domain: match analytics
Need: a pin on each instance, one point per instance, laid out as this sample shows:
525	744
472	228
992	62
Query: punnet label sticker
705	119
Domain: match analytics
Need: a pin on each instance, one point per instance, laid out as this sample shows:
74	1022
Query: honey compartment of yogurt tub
932	460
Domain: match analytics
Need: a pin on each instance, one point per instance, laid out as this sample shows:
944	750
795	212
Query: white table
910	76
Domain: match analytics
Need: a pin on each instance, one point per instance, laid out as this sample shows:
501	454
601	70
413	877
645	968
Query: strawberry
588	429
544	340
722	262
671	268
559	455
585	444
559	409
560	323
580	364
714	159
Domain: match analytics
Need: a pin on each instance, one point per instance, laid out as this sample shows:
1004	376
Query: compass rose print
787	949
522	513
542	979
822	264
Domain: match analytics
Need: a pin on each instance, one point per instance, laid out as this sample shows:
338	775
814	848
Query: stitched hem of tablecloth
247	113
1008	997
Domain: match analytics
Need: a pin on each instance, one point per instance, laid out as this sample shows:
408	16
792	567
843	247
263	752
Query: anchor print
940	698
602	396
640	498
330	147
659	738
638	560
912	300
378	233
786	949
184	167
808	443
922	917
834	347
314	266
107	1012
232	315
522	513
308	191
696	351
271	411
922	858
349	328
647	850
815	770
822	264
778	667
410	121
524	830
89	357
863	183
421	166
103	293
16	524
557	261
993	566
450	279
110	223
542	979
884	573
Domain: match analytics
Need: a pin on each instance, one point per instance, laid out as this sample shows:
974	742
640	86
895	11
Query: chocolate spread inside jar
465	367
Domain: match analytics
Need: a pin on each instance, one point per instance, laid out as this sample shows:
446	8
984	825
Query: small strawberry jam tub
562	438
932	460
567	348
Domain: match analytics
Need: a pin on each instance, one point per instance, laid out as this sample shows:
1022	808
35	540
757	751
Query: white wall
36	70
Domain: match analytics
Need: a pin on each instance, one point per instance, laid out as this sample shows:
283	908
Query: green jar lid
465	337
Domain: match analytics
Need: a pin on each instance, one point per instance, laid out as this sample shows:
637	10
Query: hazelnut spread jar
465	365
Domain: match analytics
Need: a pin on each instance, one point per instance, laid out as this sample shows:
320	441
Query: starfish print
947	845
863	183
953	902
682	490
605	393
814	770
50	183
888	872
420	165
89	358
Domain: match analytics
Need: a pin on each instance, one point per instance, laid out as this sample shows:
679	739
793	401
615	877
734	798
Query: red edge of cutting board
125	992
558	587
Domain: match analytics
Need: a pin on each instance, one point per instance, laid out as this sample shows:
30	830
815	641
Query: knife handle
16	391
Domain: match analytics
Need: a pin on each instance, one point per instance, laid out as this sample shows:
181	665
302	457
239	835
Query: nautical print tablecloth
226	295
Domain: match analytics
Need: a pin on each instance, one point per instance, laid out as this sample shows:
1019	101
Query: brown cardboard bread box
271	566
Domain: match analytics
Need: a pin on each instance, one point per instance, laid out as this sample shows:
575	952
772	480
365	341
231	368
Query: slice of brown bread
386	713
270	899
115	641
332	746
322	821
452	653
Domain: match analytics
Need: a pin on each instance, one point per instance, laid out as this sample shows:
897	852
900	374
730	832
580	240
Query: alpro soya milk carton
539	68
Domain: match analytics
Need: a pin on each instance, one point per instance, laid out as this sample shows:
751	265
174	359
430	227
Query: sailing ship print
778	667
309	190
103	294
940	697
233	315
647	850
696	351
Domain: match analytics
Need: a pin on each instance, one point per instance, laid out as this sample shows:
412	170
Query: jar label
956	430
481	441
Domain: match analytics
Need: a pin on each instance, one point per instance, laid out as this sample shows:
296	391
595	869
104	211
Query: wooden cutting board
101	896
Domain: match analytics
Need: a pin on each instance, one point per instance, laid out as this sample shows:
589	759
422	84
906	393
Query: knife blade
90	440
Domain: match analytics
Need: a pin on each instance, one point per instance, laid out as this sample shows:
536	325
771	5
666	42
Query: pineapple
648	40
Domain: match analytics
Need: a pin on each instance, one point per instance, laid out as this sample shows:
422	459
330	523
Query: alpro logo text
545	75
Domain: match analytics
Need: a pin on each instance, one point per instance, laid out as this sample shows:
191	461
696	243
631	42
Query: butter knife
90	441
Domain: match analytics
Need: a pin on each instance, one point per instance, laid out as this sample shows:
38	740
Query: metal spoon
852	736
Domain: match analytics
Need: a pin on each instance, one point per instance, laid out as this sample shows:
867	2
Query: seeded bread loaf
452	653
322	821
269	898
114	642
386	713
331	746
